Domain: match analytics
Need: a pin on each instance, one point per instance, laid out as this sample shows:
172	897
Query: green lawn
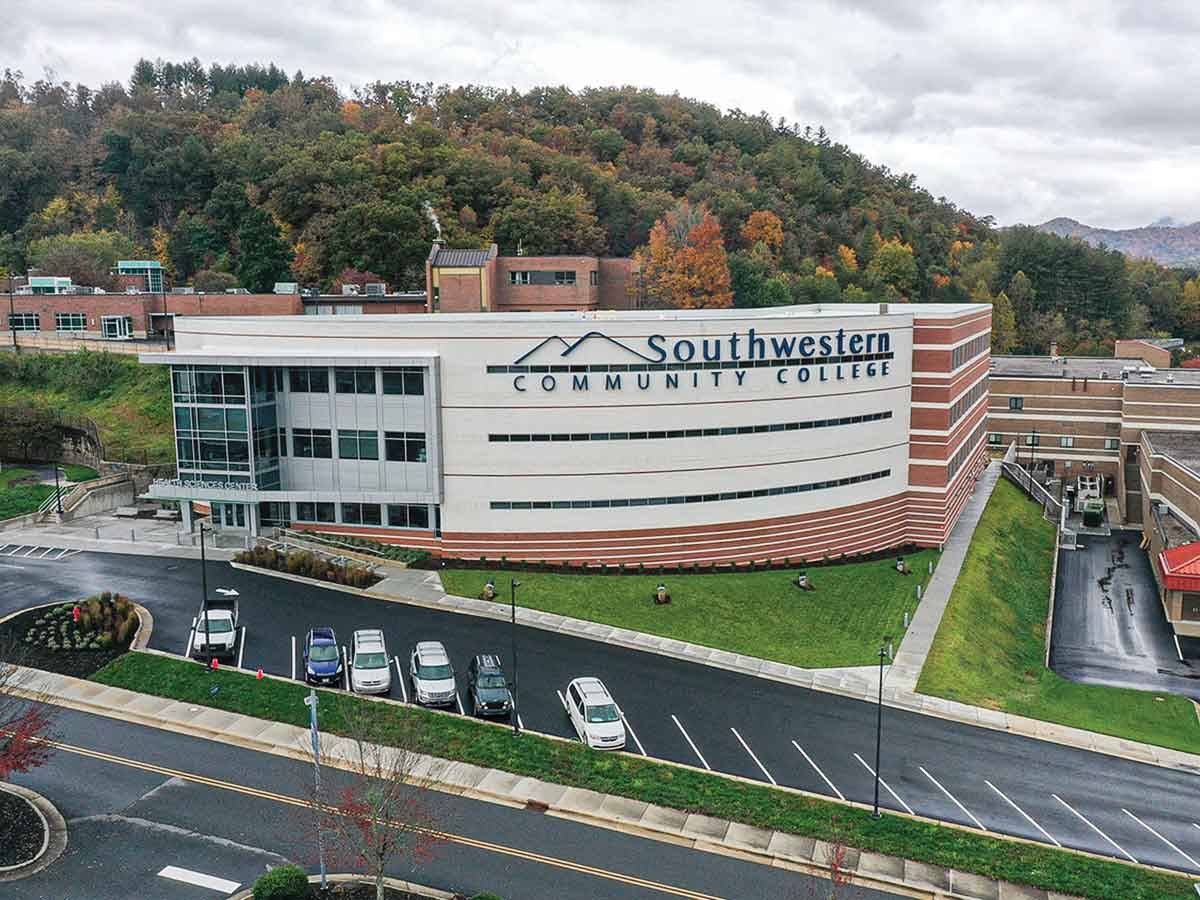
17	501
758	614
73	472
989	649
9	475
569	763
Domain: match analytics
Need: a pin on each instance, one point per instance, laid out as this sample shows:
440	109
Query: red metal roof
1181	567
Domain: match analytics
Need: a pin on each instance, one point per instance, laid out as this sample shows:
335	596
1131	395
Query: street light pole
204	599
516	720
878	732
311	703
57	494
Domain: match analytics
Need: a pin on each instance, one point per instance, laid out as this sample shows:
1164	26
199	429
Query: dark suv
487	688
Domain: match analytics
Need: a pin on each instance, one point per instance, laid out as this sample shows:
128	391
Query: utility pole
516	720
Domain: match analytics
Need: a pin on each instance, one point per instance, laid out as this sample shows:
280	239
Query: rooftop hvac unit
183	290
286	287
376	289
349	290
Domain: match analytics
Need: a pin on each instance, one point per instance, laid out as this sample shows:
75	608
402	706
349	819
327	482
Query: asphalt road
1109	626
133	809
702	716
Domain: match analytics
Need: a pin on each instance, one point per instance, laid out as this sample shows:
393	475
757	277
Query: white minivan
596	718
432	675
370	668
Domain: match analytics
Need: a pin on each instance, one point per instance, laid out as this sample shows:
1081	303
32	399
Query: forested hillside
243	175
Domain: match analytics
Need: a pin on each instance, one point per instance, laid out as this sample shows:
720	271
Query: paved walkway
700	832
906	668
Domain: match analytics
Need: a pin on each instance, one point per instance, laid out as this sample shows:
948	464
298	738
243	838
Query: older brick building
483	281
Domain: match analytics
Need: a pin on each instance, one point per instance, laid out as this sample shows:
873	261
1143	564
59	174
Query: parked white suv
370	668
433	681
596	717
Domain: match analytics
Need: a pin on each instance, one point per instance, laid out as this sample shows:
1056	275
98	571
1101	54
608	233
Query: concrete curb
830	681
54	842
578	804
394	883
141	637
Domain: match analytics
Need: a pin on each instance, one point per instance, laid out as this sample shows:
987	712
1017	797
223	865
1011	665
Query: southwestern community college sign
693	363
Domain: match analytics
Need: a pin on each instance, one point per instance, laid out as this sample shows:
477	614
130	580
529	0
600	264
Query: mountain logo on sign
558	348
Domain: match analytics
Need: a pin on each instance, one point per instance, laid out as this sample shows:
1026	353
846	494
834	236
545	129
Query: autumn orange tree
765	227
684	264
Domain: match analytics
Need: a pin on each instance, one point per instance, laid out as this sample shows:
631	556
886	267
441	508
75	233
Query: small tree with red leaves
840	878
375	808
26	722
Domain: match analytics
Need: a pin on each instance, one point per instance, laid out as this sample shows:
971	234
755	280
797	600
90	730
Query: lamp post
57	493
516	720
879	728
311	702
204	599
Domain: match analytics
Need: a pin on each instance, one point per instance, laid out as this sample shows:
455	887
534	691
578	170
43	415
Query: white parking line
761	767
520	722
346	667
242	647
1195	865
953	799
48	549
30	550
1177	650
690	744
832	787
563	701
1094	828
191	636
632	733
458	700
199	879
400	678
1028	818
887	787
293	657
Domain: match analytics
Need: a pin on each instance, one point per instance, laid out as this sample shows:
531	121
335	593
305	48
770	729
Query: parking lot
696	715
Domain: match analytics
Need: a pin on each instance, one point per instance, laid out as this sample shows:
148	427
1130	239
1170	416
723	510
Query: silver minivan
370	668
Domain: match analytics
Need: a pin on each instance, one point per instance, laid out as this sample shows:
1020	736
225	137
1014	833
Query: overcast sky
1024	111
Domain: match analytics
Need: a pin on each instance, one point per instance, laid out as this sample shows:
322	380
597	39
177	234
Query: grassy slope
756	613
989	648
133	414
73	472
569	763
18	501
11	474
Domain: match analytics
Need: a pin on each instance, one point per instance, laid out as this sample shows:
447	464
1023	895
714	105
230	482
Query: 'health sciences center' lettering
736	347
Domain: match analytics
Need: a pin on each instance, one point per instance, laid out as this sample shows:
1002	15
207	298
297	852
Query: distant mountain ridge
1165	242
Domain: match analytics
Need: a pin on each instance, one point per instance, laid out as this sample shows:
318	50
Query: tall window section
405	446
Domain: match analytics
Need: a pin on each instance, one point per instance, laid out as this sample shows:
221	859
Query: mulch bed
79	663
21	830
362	892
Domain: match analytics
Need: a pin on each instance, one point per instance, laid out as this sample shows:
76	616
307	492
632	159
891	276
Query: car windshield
443	671
217	626
370	661
604	713
492	681
323	653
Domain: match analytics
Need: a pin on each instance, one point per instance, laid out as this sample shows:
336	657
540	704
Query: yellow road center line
440	835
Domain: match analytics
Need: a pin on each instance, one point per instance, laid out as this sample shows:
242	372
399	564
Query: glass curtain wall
265	425
212	415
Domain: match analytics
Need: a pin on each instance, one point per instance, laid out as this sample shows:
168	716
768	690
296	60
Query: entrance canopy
1181	567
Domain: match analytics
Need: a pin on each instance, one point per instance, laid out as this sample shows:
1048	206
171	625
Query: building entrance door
229	516
116	328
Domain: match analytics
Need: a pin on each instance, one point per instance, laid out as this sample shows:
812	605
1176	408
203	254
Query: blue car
322	657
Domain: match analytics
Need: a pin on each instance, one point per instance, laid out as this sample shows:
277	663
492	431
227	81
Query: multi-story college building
608	436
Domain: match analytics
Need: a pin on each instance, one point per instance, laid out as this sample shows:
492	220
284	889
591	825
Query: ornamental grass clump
97	623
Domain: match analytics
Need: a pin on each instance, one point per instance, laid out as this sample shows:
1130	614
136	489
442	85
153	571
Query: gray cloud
1016	108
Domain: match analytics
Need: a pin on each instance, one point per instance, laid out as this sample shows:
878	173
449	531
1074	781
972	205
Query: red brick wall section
459	293
617	277
581	295
138	306
890	522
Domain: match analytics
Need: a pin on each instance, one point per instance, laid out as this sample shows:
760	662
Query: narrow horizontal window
690	432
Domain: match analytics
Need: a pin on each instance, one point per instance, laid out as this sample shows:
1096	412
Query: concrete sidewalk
692	830
906	667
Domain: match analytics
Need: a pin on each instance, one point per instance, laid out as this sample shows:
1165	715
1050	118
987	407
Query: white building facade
653	437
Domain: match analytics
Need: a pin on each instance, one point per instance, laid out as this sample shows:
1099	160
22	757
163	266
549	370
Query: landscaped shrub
104	621
308	565
283	883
